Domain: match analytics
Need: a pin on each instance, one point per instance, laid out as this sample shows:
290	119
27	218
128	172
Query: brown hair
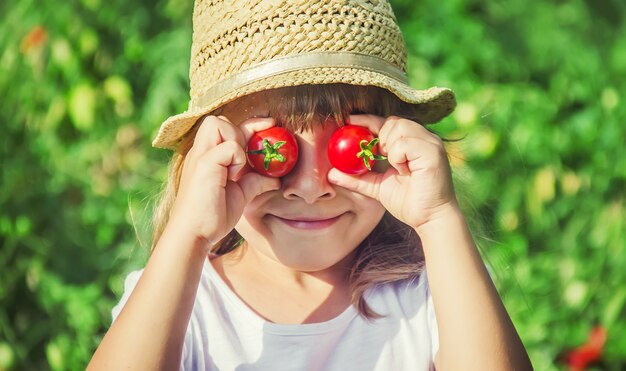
392	251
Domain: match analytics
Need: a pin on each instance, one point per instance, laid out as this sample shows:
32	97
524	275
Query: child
316	270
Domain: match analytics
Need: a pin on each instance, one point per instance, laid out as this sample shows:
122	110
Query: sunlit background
541	171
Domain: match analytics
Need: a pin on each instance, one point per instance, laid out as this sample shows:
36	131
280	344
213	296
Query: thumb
366	184
253	184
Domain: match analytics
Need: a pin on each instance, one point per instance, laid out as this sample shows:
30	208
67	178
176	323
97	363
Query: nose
308	180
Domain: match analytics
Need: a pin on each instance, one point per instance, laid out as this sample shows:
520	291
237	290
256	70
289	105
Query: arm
214	188
150	330
475	331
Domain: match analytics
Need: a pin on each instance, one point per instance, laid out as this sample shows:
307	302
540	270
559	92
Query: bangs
298	108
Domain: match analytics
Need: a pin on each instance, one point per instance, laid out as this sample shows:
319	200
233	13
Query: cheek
370	212
252	229
251	221
361	203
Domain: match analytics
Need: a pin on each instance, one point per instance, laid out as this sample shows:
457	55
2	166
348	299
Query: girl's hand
216	182
417	187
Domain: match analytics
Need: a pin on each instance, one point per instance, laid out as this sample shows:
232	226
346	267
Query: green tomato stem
367	154
270	152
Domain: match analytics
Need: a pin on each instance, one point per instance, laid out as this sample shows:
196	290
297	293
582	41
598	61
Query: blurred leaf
82	106
6	356
614	307
541	171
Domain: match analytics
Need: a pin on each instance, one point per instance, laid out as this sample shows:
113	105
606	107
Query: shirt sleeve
129	285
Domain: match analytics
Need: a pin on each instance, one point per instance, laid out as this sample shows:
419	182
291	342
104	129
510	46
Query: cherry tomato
353	149
272	152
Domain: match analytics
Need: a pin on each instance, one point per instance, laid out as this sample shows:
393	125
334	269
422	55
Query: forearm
149	332
475	331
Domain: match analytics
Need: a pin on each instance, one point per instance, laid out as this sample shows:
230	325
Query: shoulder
129	285
406	288
131	280
409	297
408	305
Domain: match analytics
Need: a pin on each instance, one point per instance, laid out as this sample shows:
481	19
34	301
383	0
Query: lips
308	222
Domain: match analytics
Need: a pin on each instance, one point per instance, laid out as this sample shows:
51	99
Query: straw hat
244	46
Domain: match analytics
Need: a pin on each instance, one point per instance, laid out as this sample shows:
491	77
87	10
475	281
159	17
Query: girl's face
308	224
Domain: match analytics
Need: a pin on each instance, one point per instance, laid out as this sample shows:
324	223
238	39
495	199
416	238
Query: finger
228	154
372	122
253	184
245	170
413	154
254	125
367	184
402	152
213	131
397	127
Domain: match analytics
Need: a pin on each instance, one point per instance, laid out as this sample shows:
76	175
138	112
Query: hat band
298	62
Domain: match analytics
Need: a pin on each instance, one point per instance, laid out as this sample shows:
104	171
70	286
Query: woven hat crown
232	36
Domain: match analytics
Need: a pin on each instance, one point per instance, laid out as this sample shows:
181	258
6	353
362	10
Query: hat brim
433	104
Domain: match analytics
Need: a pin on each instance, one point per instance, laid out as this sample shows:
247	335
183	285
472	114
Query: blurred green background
84	85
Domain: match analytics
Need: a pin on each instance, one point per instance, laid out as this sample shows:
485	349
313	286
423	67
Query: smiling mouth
308	223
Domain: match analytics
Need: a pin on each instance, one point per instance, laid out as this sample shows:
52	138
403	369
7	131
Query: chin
311	260
304	254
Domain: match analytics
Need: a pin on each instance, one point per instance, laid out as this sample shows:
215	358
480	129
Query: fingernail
333	174
224	118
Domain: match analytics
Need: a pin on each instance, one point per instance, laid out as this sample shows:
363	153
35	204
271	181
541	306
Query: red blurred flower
33	39
580	357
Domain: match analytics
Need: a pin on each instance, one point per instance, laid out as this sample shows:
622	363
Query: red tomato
272	152
353	149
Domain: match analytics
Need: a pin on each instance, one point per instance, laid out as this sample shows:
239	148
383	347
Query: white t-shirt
225	334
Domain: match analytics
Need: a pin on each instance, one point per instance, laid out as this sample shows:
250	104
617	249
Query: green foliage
85	85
